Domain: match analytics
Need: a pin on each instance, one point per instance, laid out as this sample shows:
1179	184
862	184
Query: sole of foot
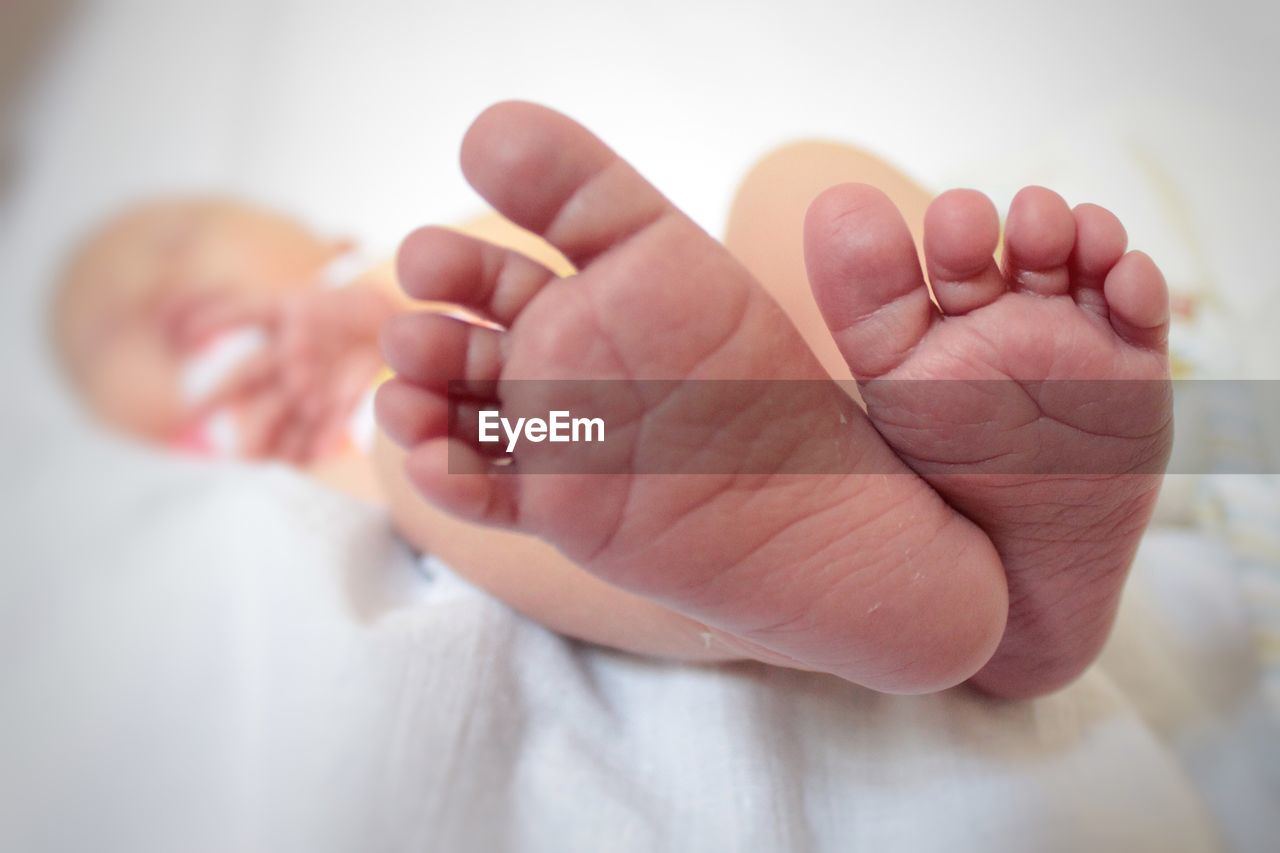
1033	394
868	575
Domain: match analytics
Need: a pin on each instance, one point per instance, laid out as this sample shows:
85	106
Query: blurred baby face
112	328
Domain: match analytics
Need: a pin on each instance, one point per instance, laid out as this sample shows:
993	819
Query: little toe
1100	243
1138	301
961	230
1039	237
438	264
866	277
463	482
433	350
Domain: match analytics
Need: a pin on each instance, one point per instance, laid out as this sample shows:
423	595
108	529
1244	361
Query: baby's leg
765	230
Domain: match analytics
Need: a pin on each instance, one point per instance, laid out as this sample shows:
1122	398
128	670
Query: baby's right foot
868	575
1035	398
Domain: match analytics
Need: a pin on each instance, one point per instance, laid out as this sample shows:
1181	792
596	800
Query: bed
220	658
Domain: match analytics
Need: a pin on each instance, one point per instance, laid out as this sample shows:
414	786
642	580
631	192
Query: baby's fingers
220	313
263	424
294	441
352	381
249	378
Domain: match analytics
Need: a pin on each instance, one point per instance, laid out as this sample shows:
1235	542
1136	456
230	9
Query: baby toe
1100	243
552	176
1138	301
408	413
439	265
961	230
433	350
1039	237
460	480
866	277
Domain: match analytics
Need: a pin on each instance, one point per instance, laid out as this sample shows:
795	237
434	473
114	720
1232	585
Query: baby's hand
296	395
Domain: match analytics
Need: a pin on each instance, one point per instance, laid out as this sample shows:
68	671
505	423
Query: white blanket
262	666
200	658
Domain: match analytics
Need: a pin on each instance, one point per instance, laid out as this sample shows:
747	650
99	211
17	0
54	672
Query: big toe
549	174
866	277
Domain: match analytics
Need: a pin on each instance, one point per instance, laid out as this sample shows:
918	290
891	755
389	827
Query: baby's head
108	323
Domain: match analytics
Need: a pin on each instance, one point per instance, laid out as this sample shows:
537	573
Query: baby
931	556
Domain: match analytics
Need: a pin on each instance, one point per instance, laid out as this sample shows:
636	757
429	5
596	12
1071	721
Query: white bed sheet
199	659
266	668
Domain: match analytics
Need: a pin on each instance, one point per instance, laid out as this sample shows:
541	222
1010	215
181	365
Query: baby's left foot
1047	419
866	573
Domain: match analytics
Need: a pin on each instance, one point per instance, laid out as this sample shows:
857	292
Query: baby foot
1055	423
867	576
